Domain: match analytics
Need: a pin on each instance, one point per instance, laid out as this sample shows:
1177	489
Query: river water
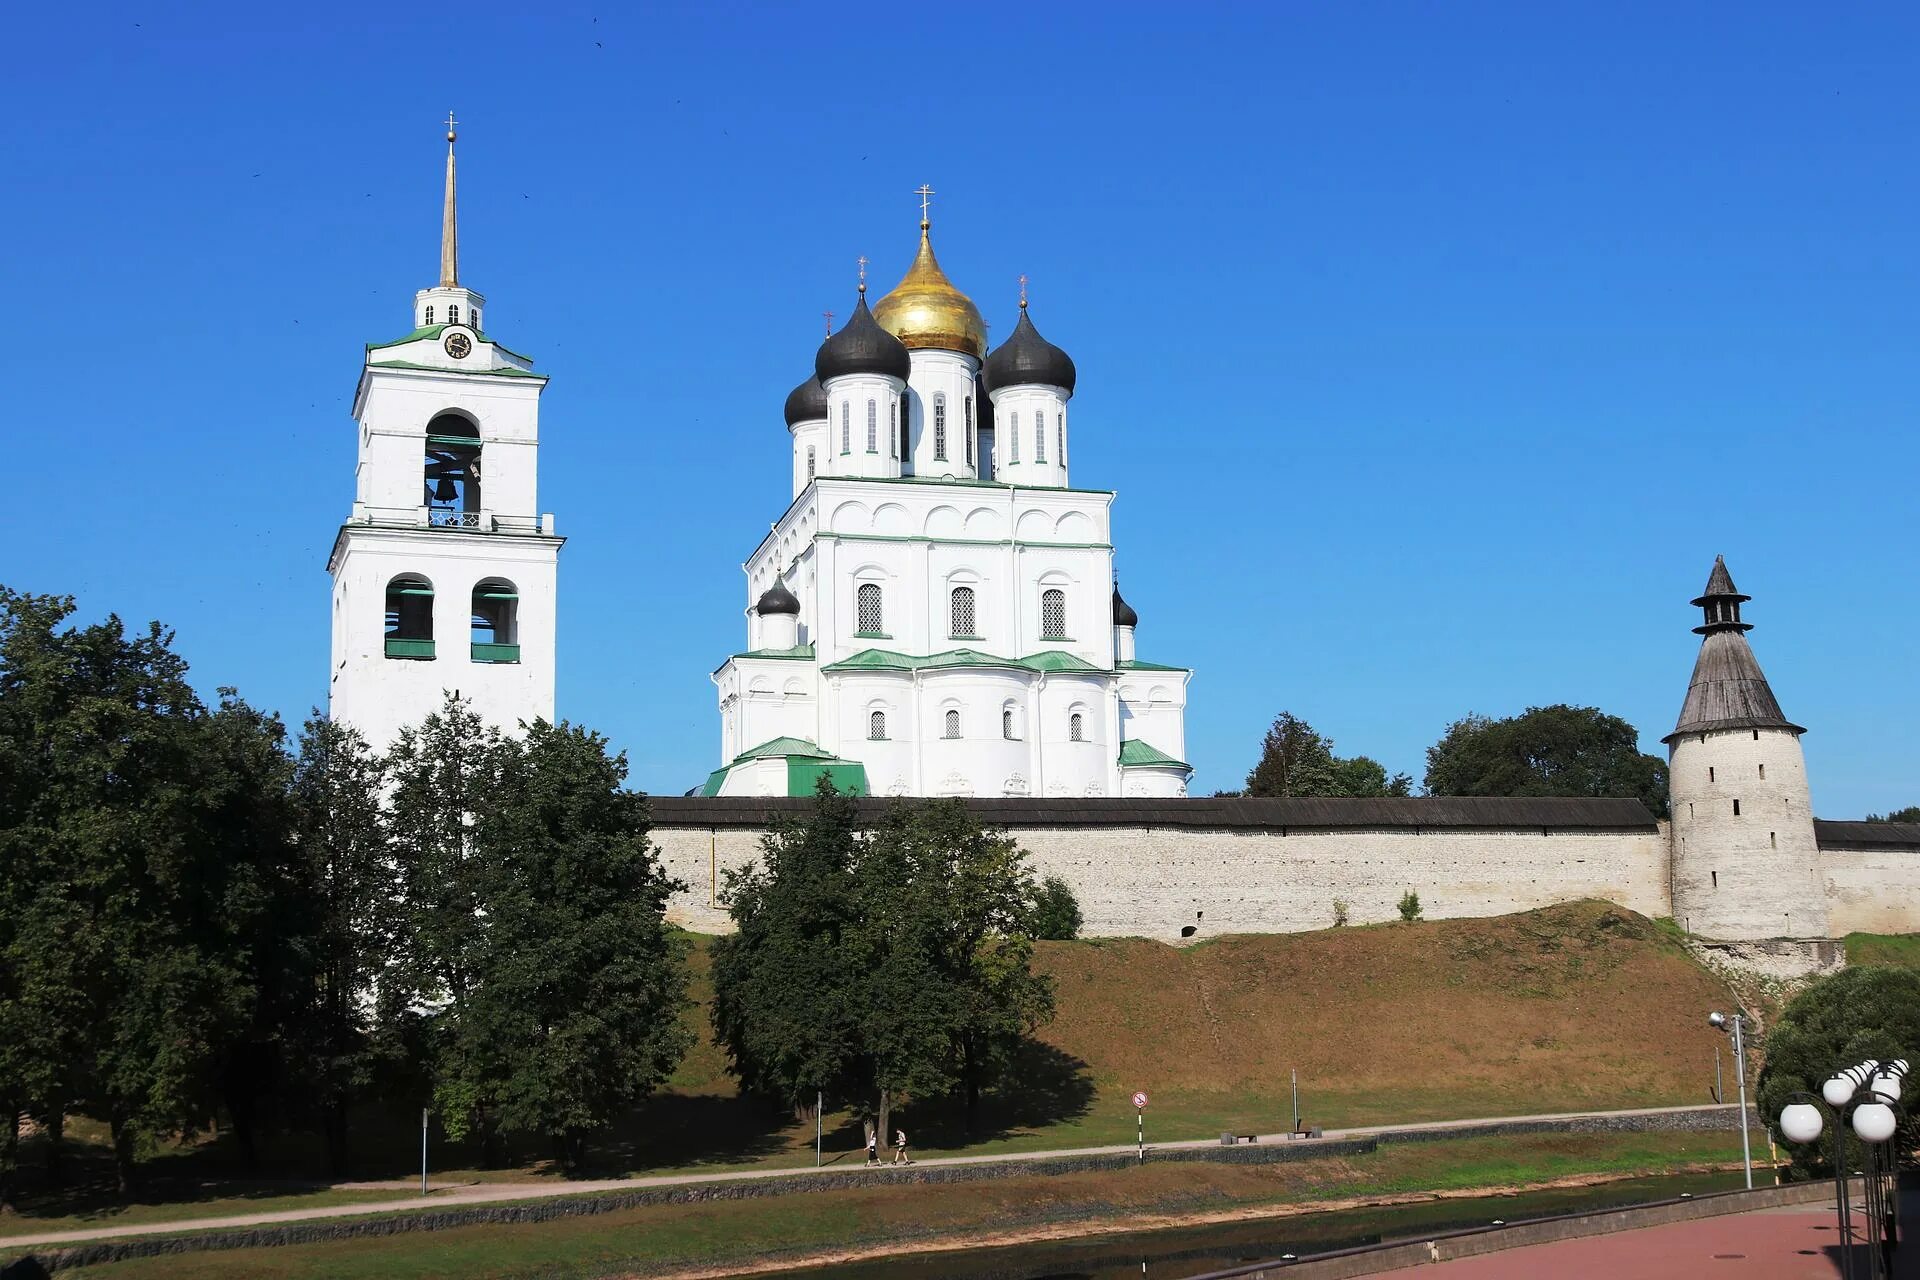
1171	1253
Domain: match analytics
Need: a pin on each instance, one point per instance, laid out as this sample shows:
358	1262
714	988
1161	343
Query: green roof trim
435	330
797	653
1134	752
776	747
711	787
1134	664
888	660
470	373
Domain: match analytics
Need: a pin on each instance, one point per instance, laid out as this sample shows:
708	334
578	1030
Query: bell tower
445	572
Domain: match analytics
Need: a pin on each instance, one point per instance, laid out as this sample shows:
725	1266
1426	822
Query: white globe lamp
1838	1091
1801	1122
1873	1121
1887	1086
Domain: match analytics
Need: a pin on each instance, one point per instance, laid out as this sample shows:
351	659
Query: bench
1306	1131
1228	1139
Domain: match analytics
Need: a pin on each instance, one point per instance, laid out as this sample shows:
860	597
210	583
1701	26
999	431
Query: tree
347	888
1409	906
577	1011
1864	1011
1297	761
1909	814
1056	915
784	981
445	773
1546	751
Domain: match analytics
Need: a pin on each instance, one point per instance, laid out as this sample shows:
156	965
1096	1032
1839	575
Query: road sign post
1140	1123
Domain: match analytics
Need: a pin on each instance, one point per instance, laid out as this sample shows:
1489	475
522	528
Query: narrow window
453	314
1076	728
1039	437
1060	438
846	428
1716	878
953	724
1756	735
873	427
1006	725
893	429
1736	808
1773	839
877	727
1053	614
809	462
969	430
940	428
868	598
429	315
1763	773
960	612
1013	441
1709	773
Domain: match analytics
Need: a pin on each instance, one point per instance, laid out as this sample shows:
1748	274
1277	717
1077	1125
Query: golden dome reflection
926	311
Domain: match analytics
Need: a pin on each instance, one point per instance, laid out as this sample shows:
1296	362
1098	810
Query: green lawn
725	1233
1900	949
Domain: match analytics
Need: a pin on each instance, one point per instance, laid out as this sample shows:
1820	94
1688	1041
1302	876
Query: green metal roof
798	651
1135	752
434	331
806	765
889	660
783	747
1134	664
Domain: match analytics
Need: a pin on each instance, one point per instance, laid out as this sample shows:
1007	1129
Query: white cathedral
935	613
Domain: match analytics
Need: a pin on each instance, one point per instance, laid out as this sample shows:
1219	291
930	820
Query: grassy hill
1898	949
1574	1007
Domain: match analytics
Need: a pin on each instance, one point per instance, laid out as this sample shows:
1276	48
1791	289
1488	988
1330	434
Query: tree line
203	916
1544	751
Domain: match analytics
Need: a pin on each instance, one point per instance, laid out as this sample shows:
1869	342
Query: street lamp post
1738	1031
1869	1094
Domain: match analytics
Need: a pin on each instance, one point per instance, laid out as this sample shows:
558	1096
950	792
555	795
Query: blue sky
1434	350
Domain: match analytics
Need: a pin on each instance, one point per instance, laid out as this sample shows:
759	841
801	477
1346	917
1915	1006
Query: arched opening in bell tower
496	621
453	472
409	632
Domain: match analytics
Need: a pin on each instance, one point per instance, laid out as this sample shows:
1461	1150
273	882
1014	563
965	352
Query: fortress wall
1871	891
1152	881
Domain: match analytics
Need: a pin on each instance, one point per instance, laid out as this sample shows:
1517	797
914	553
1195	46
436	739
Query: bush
1409	906
1056	913
1339	912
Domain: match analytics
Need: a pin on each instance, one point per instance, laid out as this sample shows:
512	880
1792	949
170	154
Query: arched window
1053	614
496	621
960	613
1076	728
429	315
940	428
1013	440
409	617
846	428
893	429
453	313
809	462
953	724
1006	724
453	472
873	427
1060	438
1039	437
870	617
877	726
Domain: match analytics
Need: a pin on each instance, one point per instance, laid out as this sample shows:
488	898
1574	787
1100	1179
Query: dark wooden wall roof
1312	814
1867	835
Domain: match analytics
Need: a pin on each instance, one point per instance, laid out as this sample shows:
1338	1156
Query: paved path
1798	1243
497	1192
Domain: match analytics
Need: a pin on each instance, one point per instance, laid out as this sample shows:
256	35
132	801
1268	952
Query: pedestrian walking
900	1147
873	1144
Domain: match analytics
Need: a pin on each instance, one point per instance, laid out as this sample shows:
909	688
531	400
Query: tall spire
449	229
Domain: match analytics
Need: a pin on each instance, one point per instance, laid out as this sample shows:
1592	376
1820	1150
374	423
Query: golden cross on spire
925	193
862	261
450	123
1023	291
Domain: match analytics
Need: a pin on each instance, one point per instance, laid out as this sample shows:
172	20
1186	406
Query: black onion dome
807	403
861	346
1123	614
777	599
1026	359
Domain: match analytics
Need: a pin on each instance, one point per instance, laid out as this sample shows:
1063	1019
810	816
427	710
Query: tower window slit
1736	808
809	462
1716	878
1060	438
846	427
1039	437
1773	839
940	428
873	427
1013	440
1763	773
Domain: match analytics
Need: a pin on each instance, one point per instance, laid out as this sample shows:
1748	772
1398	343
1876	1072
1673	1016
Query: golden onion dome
926	311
